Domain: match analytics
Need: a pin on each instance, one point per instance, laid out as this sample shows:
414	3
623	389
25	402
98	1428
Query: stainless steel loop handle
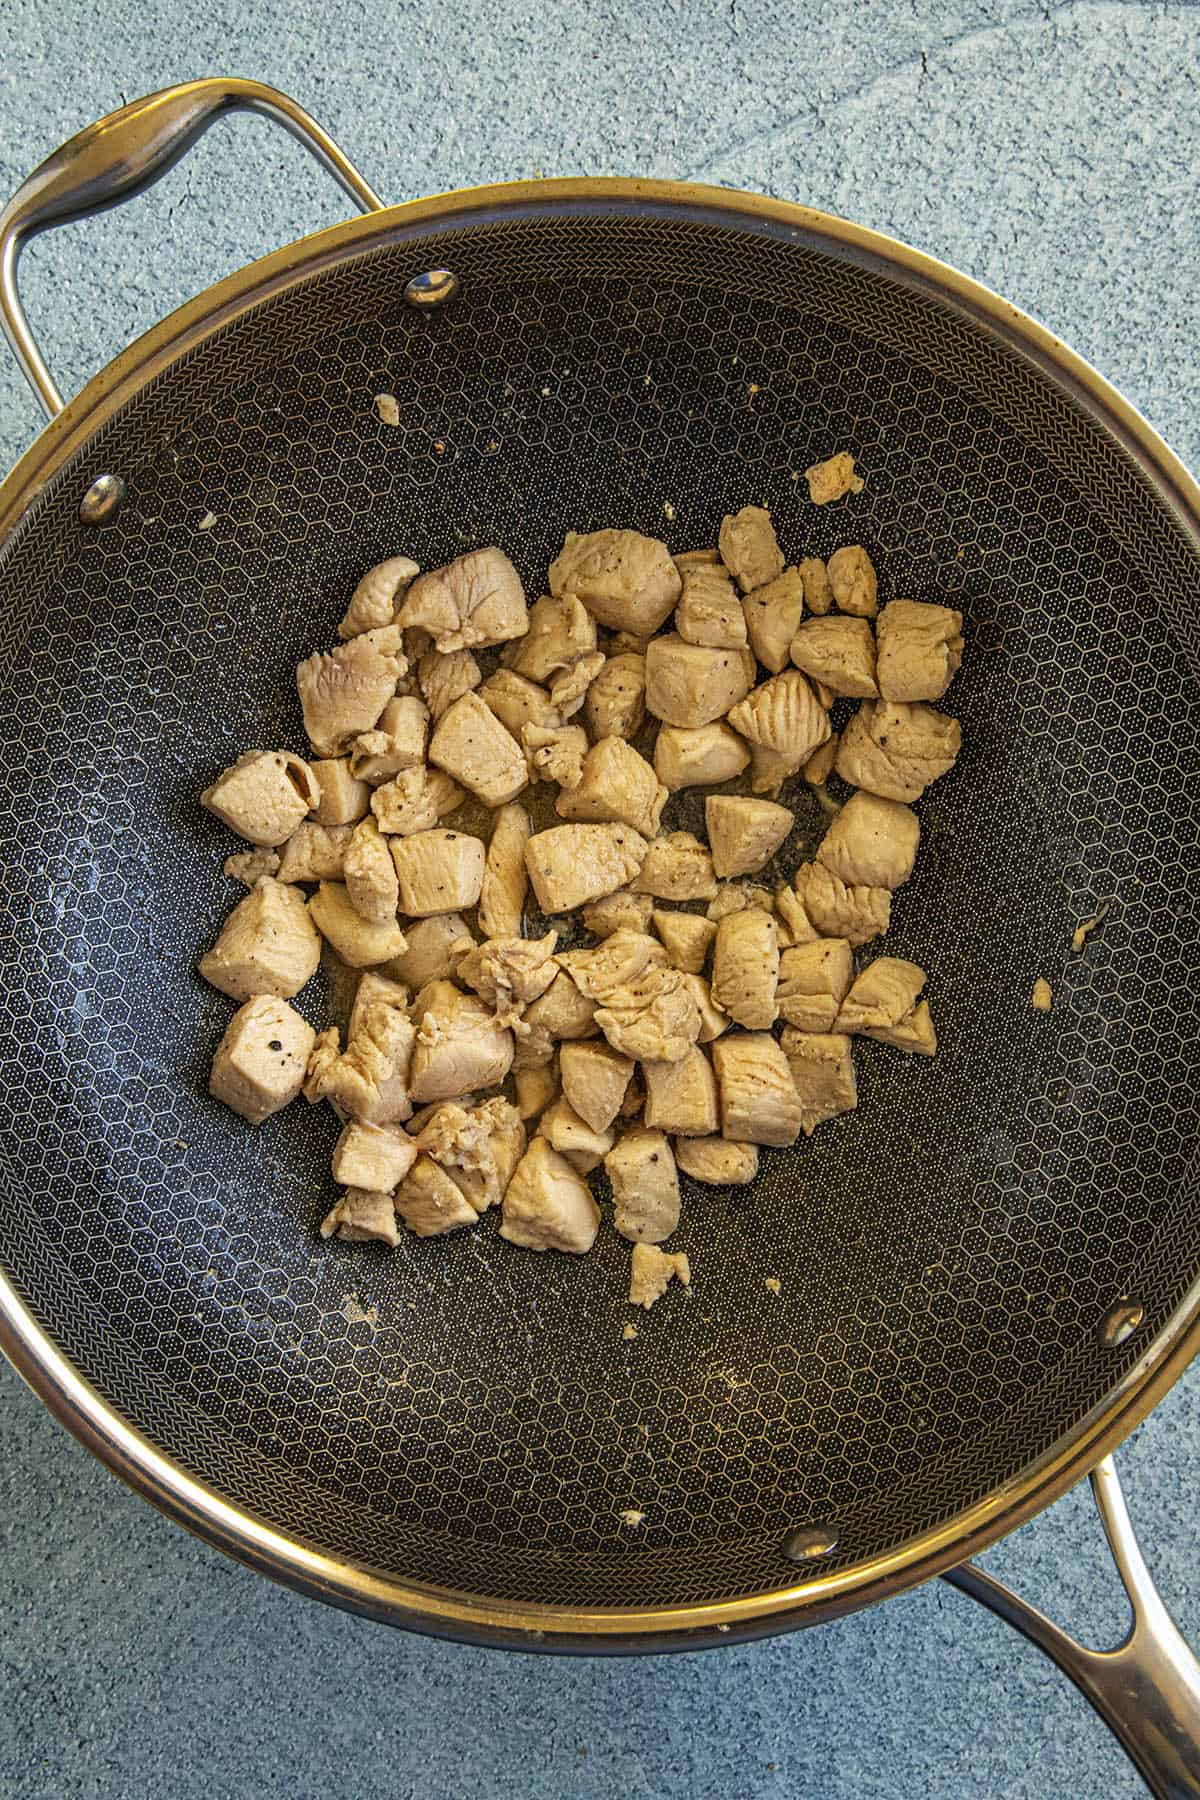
117	158
1147	1690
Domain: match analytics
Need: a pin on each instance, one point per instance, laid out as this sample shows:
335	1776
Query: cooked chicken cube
360	1216
914	1032
818	595
374	986
505	877
555	753
677	867
920	648
622	911
263	796
376	599
627	582
745	968
712	1020
462	1142
819	766
396	743
561	632
460	1047
323	1055
562	1011
744	834
616	785
507	1137
473	747
569	689
477	599
651	1272
699	758
369	874
361	943
654	1018
430	1201
548	1205
838	652
571	864
343	799
267	945
759	1103
249	866
681	1097
897	750
432	951
857	912
883	994
687	938
595	1078
261	1061
716	1161
749	548
343	692
445	676
689	685
369	1080
438	871
583	1146
645	1186
537	1088
795	926
517	702
709	610
616	962
822	1069
830	479
852	580
736	896
783	715
769	769
814	979
405	804
616	699
314	853
872	842
377	1157
509	973
773	615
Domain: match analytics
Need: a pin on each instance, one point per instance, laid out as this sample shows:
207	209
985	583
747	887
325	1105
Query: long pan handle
1147	1690
117	158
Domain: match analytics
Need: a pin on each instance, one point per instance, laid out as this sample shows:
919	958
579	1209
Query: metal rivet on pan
103	500
808	1541
431	288
1120	1322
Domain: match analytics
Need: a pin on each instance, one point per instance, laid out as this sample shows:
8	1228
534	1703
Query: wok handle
1147	1690
117	158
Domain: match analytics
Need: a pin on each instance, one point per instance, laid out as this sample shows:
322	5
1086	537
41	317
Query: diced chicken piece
438	871
818	595
555	753
571	864
677	867
824	694
405	804
920	648
396	743
814	979
773	615
840	653
460	1047
819	766
883	994
374	987
645	1186
362	1216
699	758
582	1145
445	676
261	1061
323	1055
509	973
473	747
369	1080
769	769
477	599
745	968
872	842
712	1020
569	689
267	945
517	702
681	1097
689	685
687	938
830	479
914	1032
708	558
462	1142
652	1019
377	1157
359	942
627	582
858	913
795	926
507	1137
616	962
263	796
783	715
651	1272
562	1011
897	750
759	1103
430	1201
561	632
709	610
622	911
343	692
314	853
595	1078
618	786
616	699
852	579
505	878
444	792
537	1088
370	875
548	1205
249	866
744	834
377	598
717	1162
749	548
736	896
432	952
343	799
823	1074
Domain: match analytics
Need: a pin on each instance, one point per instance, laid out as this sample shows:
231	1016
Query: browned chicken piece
745	968
651	1272
509	973
749	548
818	595
571	864
652	1019
362	1216
617	786
616	962
378	596
706	558
852	579
595	1078
569	689
537	1088
406	804
736	896
475	600
716	1161
263	796
369	1080
430	1201
460	1047
913	1033
709	610
897	750
858	912
548	1205
505	878
872	842
475	749
616	699
823	1074
627	582
759	1103
830	479
677	867
361	943
432	951
445	676
249	866
744	834
438	871
712	1020
622	911
920	648
645	1186
561	632
883	994
681	1097
795	926
687	938
840	653
769	769
377	1157
396	743
783	715
343	691
773	615
699	758
561	1012
267	945
314	853
370	875
819	766
691	686
517	702
582	1145
555	753
814	979
261	1061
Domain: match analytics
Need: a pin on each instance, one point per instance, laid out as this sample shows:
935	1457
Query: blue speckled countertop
1051	152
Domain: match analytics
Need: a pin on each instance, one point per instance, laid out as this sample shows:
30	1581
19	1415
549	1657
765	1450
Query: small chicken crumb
773	1284
355	1313
668	512
1043	995
207	522
1083	931
629	1332
631	1516
830	479
387	409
